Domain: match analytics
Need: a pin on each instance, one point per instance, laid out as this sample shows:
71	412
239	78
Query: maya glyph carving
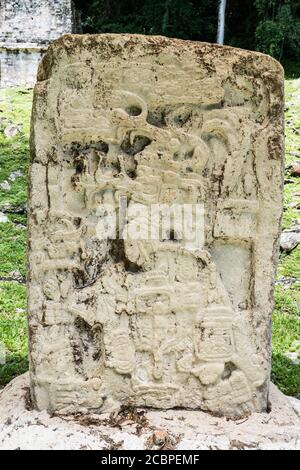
159	321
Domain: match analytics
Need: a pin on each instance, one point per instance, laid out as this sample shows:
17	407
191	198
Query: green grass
12	249
292	150
287	300
286	340
286	316
15	106
292	70
289	265
13	330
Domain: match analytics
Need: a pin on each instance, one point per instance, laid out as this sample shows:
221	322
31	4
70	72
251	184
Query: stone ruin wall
26	29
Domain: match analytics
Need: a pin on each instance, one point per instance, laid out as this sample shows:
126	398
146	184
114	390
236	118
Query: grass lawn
15	107
286	316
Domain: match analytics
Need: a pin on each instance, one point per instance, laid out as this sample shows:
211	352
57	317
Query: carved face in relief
160	321
162	151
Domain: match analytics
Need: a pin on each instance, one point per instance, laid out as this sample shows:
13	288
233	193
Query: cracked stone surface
21	428
169	321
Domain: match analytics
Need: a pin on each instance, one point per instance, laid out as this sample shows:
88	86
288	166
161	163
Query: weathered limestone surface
155	323
26	28
34	22
23	428
19	67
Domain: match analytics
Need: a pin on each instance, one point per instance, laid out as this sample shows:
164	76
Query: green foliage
286	340
270	38
187	19
287	300
12	249
13	330
286	374
292	70
278	29
15	108
270	26
290	265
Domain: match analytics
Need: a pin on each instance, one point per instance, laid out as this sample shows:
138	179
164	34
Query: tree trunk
165	19
221	24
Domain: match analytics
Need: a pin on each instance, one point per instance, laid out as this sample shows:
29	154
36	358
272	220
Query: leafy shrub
278	29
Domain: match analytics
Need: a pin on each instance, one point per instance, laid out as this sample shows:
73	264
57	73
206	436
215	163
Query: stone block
125	308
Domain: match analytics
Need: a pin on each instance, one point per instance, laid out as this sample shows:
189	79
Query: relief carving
152	320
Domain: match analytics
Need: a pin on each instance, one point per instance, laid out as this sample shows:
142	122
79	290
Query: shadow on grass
15	365
291	69
286	375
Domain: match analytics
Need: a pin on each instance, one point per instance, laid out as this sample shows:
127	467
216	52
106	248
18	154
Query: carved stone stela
155	323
